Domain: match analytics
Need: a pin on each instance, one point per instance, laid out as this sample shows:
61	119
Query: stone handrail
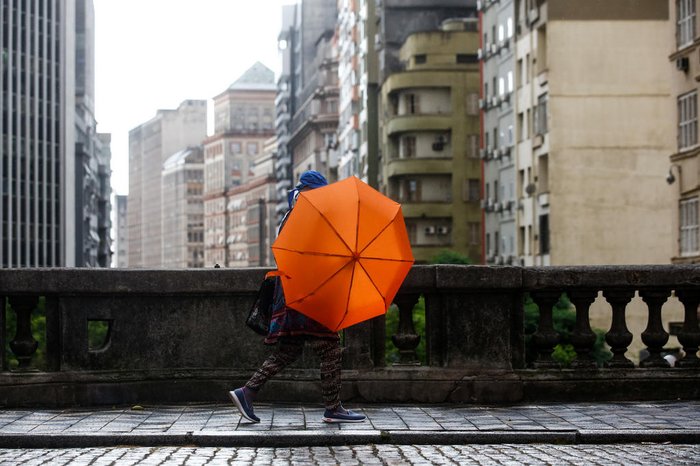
179	335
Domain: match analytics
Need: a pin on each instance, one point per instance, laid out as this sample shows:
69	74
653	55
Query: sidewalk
287	425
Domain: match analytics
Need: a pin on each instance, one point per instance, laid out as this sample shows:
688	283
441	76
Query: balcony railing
178	335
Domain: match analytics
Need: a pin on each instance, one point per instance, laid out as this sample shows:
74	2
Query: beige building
684	170
244	120
429	133
150	144
594	130
183	210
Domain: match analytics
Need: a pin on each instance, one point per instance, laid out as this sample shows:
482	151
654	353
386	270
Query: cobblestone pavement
507	454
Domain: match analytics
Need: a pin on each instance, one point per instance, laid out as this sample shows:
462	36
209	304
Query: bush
447	256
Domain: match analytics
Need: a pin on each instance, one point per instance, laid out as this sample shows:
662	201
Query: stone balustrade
179	335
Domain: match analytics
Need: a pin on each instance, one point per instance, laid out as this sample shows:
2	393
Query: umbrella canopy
343	253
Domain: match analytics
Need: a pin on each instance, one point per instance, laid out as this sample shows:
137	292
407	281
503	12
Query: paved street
507	454
553	433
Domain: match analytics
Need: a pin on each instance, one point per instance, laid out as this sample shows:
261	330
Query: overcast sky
153	54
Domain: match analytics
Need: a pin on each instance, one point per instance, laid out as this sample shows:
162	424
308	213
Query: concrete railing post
24	345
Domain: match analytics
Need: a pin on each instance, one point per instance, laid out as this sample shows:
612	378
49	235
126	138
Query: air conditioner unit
497	206
683	64
499	260
482	104
506	97
443	230
484	204
430	230
493	48
483	153
479	54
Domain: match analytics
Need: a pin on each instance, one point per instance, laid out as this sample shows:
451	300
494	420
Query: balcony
178	335
419	122
418	165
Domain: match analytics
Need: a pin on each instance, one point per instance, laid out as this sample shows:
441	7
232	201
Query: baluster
654	336
583	338
24	345
3	331
689	336
545	338
406	339
618	337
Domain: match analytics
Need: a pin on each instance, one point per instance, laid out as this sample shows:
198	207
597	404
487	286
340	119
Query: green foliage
447	256
392	327
97	333
38	331
564	320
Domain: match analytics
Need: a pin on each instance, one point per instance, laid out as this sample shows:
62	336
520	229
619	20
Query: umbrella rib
321	285
381	231
347	302
372	282
331	226
310	253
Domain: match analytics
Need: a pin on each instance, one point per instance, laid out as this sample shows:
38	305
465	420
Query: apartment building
684	169
244	120
578	173
150	145
429	126
497	53
183	209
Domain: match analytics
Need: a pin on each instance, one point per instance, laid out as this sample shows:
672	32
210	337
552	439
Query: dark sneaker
238	398
341	414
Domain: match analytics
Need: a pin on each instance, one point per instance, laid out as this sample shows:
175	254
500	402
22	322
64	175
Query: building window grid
685	29
688	120
689	228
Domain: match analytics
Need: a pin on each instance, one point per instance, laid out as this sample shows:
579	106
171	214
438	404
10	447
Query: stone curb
297	438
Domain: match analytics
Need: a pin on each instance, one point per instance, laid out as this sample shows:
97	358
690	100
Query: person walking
291	331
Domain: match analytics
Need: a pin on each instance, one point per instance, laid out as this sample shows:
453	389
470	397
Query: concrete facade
37	144
429	131
684	168
183	210
585	187
150	145
121	256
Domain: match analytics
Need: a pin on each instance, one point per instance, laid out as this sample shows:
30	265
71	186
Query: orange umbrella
343	253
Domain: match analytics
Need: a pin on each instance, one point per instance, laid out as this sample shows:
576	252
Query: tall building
289	48
183	209
684	171
48	135
150	145
575	179
244	120
368	90
121	258
497	53
348	46
429	127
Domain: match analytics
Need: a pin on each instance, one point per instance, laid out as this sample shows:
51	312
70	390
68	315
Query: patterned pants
289	350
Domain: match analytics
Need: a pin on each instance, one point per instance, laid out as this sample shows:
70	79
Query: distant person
291	330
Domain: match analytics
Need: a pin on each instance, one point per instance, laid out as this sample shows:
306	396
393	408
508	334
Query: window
473	149
474	190
685	26
688	120
510	81
409	147
689	229
420	59
411	190
544	234
236	147
252	148
412	103
541	115
474	233
466	58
